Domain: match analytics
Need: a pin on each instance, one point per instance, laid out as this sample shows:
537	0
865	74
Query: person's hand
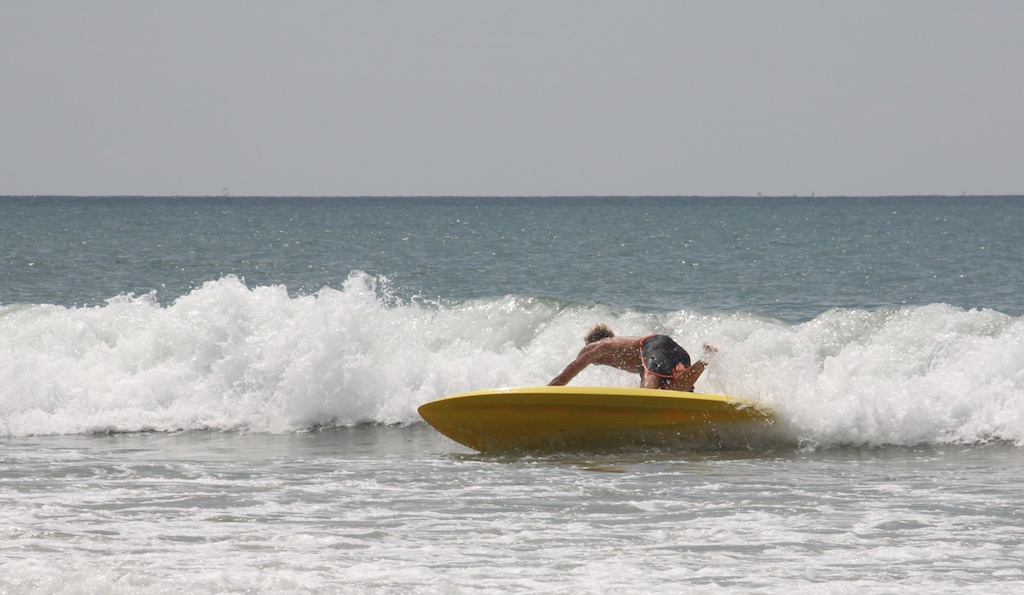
709	350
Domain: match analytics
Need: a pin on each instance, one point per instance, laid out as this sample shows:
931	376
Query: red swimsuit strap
676	371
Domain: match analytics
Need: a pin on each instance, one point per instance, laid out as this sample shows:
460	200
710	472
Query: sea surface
219	394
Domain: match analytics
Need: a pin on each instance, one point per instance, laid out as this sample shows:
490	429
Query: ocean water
219	394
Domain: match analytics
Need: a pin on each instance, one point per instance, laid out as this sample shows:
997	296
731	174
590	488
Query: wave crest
230	357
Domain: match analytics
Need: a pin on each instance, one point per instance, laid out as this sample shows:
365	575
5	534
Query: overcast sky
545	97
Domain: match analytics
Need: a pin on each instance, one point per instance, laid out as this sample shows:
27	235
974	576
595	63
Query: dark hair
597	332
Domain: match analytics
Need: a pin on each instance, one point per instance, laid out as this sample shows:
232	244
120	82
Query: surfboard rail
556	417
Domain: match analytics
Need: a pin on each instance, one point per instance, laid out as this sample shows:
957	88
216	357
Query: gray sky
512	98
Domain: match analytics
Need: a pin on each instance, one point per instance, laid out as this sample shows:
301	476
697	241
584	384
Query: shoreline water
390	509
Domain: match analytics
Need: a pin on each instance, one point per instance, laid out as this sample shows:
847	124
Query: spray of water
230	357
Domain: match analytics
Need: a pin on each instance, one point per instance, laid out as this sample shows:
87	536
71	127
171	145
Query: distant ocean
219	394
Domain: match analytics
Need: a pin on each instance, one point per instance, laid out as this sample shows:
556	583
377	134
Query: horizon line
487	196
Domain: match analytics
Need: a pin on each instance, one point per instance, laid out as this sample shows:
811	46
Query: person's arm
584	359
575	367
685	381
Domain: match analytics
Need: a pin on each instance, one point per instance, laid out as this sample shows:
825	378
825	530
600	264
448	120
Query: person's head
597	332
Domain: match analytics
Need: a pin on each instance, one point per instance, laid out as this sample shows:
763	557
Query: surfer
659	360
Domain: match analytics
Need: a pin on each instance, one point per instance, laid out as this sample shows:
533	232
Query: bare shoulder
625	341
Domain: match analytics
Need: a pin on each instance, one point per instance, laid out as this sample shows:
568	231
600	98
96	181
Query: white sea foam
230	357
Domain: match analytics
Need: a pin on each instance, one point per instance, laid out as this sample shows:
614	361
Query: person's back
659	360
618	352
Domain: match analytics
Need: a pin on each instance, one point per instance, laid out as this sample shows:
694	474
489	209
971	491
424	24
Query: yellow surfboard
587	417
